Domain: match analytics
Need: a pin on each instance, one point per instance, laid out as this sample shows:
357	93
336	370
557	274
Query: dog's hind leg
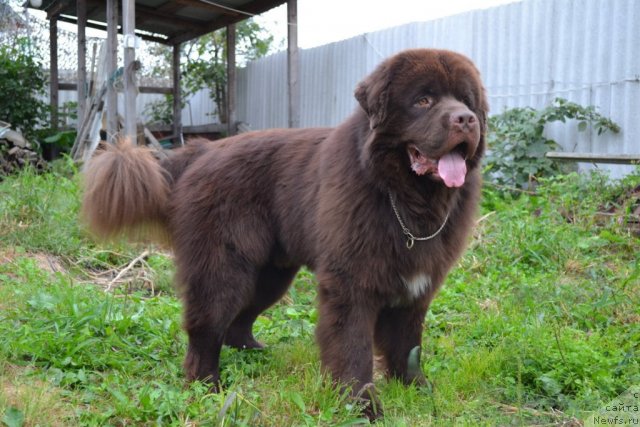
272	284
215	292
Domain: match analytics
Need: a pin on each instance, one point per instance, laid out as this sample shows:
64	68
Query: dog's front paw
366	398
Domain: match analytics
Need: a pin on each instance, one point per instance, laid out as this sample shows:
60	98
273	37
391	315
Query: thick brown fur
246	212
125	191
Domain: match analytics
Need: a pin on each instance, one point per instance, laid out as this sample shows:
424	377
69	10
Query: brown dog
379	207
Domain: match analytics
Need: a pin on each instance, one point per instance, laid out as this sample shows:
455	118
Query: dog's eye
424	101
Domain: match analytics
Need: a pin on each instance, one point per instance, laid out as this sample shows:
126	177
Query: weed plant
517	142
538	324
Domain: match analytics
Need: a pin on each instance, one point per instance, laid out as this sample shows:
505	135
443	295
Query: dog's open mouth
451	167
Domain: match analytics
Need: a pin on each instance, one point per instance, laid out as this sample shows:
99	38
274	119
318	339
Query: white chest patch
417	285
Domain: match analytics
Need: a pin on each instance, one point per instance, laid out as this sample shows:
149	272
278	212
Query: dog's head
432	105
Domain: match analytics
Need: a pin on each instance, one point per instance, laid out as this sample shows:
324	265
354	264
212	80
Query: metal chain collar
410	237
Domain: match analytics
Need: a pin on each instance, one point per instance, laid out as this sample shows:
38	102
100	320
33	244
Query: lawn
539	324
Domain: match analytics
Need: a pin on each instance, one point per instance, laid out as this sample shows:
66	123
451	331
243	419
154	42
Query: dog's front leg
345	337
398	333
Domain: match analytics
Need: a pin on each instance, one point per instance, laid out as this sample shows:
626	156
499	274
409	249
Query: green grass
538	324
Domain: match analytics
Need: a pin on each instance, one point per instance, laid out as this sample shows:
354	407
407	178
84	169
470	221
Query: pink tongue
452	169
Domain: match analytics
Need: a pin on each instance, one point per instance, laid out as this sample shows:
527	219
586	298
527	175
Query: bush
161	111
517	144
22	81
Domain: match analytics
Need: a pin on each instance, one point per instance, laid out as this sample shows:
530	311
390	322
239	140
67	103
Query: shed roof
167	21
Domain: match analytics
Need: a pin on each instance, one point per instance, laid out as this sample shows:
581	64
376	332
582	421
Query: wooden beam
156	89
53	58
198	129
93	6
57	8
207	6
68	86
177	95
154	142
128	29
231	79
253	8
103	27
168	14
92	71
293	64
112	65
141	89
620	159
169	17
81	6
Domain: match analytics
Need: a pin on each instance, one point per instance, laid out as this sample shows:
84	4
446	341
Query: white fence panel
528	52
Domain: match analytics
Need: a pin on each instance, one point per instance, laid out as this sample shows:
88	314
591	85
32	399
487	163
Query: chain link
410	237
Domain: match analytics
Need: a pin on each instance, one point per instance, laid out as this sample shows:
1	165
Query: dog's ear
373	95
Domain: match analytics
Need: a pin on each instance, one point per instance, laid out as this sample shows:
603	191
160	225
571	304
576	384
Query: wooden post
112	65
177	96
231	79
293	63
81	6
53	58
128	30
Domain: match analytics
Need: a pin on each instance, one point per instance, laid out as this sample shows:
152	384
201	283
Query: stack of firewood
16	153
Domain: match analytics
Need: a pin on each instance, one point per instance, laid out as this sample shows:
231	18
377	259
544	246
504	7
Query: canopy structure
170	22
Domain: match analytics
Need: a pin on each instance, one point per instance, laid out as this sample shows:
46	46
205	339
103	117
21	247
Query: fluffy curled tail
125	192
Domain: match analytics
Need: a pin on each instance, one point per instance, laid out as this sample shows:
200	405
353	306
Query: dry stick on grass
129	266
510	188
484	217
82	261
478	230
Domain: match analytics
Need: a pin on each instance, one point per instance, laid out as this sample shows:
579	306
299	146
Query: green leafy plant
22	83
161	111
517	144
63	139
54	142
206	65
67	113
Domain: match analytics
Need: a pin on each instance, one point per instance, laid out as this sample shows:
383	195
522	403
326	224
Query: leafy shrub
63	140
22	81
161	111
517	144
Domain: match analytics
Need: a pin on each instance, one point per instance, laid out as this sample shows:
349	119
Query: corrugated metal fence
529	53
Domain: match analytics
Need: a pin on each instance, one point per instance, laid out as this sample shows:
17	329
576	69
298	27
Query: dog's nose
463	120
